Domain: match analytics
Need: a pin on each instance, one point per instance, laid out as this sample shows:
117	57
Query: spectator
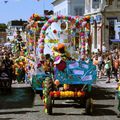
104	48
108	69
100	63
8	65
116	67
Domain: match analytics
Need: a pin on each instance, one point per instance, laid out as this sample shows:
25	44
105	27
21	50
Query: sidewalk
20	85
102	83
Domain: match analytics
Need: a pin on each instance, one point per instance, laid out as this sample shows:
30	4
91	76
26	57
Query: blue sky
22	9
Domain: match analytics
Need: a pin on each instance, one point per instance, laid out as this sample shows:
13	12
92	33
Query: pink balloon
41	50
44	28
41	40
82	34
69	17
59	17
50	21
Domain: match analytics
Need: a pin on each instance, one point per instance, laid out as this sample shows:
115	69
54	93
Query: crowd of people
107	63
6	67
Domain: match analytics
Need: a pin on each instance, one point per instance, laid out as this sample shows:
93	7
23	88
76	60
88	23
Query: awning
115	40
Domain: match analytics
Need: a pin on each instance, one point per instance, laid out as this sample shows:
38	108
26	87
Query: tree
3	27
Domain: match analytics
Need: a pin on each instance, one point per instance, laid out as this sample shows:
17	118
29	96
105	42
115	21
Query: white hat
57	60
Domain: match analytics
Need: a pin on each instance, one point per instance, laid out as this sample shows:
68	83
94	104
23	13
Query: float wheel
89	106
49	105
48	87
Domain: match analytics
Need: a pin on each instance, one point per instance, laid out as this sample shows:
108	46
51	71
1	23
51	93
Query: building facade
14	26
104	15
69	7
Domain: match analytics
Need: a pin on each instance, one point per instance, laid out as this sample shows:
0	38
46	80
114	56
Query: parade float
18	49
68	77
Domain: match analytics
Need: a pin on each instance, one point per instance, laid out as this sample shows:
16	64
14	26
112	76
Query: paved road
22	104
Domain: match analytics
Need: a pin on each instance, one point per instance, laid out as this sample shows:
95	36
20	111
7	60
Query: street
22	104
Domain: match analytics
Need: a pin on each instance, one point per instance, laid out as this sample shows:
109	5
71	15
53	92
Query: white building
69	7
13	26
103	14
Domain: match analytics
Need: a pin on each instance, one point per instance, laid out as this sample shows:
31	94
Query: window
87	5
118	3
109	2
96	4
78	11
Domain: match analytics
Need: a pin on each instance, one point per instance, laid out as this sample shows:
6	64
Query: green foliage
3	27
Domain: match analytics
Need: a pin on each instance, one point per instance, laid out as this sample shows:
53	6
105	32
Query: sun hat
57	60
60	46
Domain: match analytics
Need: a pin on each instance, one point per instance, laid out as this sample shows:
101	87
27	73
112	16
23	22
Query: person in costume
61	55
48	64
61	48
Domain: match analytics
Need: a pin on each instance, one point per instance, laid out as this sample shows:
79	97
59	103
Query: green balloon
43	32
46	100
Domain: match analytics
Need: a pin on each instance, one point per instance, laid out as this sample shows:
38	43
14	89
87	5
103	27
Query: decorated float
68	77
19	51
32	34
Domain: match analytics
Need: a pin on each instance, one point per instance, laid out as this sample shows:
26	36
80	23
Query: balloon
50	21
57	82
51	94
44	28
41	40
69	17
65	86
55	31
41	50
43	32
59	17
78	94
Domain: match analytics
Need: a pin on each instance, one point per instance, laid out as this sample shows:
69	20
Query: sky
22	9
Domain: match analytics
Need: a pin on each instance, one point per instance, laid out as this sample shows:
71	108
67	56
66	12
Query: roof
17	22
54	1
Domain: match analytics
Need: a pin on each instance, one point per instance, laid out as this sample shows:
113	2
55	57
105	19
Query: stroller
5	81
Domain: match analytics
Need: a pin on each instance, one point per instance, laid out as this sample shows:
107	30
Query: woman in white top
100	63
